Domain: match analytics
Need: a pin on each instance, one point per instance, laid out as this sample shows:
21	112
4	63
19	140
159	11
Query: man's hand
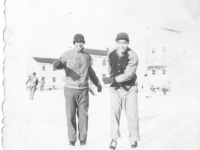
99	88
109	80
56	64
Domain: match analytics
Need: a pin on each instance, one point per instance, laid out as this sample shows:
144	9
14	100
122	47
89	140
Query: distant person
166	87
169	86
122	66
28	86
146	86
33	84
153	89
77	65
42	84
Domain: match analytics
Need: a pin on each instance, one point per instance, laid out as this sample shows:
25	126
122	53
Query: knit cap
78	38
122	36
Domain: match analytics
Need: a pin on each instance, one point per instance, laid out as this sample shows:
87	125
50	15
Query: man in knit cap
77	66
122	66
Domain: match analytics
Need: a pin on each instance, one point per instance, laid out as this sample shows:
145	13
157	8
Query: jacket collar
127	49
80	50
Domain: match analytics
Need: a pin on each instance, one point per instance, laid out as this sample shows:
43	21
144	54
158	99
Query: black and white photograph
100	75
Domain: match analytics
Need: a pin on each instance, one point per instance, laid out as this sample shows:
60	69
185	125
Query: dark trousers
32	91
77	102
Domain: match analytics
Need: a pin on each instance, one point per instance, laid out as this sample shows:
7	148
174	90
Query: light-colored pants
127	100
32	91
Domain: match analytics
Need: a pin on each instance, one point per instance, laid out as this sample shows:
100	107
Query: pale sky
45	28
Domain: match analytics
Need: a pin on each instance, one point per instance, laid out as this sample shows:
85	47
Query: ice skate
113	144
72	143
82	143
134	145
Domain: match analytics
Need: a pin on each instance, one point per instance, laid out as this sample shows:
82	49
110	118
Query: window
43	68
153	50
54	79
104	62
54	69
153	72
164	71
92	61
103	75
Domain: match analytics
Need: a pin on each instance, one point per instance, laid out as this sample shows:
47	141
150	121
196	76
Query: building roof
89	51
96	52
44	60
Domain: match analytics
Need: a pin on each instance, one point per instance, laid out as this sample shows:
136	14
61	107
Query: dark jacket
123	68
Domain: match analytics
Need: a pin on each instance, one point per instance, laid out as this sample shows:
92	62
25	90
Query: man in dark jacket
77	65
122	66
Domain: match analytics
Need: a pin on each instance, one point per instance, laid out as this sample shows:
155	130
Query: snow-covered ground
166	123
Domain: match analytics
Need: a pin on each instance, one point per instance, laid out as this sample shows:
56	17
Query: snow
170	122
166	123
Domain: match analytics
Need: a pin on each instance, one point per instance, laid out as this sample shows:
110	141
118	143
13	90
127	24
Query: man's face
122	45
79	45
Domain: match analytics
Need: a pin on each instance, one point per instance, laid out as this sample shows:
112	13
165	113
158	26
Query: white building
99	62
55	78
156	62
44	68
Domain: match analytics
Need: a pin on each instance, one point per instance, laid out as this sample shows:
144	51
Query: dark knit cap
122	36
78	38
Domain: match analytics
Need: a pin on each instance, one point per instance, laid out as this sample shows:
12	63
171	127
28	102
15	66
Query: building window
153	50
104	62
164	71
164	49
54	69
153	72
92	61
54	79
104	75
43	68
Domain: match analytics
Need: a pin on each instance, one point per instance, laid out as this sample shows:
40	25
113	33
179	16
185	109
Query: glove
109	80
56	64
116	86
99	88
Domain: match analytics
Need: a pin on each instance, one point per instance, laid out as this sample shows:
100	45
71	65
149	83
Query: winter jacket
123	68
78	69
33	81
